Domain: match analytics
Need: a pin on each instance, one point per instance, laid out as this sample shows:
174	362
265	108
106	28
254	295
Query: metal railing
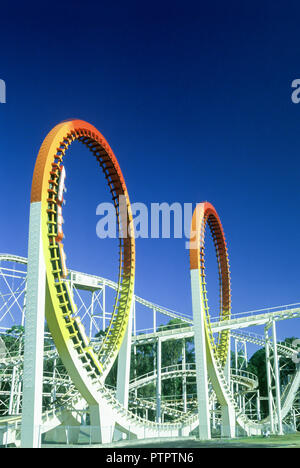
267	310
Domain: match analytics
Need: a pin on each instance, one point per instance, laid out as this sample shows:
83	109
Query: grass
284	441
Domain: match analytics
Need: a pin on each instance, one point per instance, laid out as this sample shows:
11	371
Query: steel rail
97	281
205	215
245	378
82	363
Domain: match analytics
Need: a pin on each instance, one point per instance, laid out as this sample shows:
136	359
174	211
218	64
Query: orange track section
205	214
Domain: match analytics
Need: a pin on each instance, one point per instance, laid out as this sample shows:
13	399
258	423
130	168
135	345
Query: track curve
84	365
205	214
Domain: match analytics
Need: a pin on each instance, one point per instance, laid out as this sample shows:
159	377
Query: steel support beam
269	379
184	393
277	379
34	334
124	361
200	356
158	381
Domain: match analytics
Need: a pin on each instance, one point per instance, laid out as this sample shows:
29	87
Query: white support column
72	283
258	405
53	388
134	346
236	358
103	307
92	315
123	373
158	381
269	379
245	354
124	361
102	424
200	355
214	412
24	307
19	393
228	422
154	348
277	379
13	390
134	316
294	419
184	396
154	320
34	334
236	354
19	370
228	426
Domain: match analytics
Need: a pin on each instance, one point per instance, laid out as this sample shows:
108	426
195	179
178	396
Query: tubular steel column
236	357
184	397
123	373
258	406
53	388
134	316
92	315
277	379
269	378
210	355
103	307
34	334
154	320
200	357
134	346
13	391
158	381
124	359
102	425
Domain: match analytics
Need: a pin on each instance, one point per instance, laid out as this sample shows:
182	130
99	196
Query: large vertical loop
84	364
205	214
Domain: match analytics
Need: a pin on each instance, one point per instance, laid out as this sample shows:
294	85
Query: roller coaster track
86	281
247	379
237	321
10	426
53	417
72	403
215	354
254	318
142	403
86	368
89	365
259	340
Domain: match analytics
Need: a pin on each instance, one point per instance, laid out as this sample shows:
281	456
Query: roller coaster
92	330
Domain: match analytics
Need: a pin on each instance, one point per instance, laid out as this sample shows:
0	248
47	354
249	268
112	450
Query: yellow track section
84	365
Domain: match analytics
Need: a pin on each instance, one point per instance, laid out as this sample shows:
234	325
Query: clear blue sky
195	100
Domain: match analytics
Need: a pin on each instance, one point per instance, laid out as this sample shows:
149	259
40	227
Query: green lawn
285	441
